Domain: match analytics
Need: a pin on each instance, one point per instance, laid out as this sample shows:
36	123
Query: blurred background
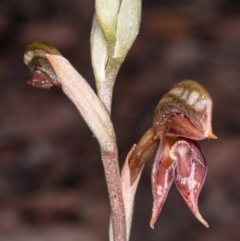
52	186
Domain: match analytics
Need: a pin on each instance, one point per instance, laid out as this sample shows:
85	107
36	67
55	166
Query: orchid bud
186	110
119	21
115	27
42	73
107	15
128	24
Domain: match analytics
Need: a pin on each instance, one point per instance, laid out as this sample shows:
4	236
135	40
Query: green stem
105	87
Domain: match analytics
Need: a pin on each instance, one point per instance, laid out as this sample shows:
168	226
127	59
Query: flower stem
112	175
110	160
105	88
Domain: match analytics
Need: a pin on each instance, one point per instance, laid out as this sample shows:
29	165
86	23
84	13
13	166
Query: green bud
99	52
129	19
107	15
115	28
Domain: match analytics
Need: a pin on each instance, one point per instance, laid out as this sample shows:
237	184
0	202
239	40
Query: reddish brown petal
179	125
190	173
162	179
142	152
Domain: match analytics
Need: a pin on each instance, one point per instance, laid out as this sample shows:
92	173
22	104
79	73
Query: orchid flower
182	116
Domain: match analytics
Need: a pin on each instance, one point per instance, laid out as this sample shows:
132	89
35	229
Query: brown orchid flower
182	116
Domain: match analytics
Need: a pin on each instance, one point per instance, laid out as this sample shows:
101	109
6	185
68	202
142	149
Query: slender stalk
110	159
112	175
105	88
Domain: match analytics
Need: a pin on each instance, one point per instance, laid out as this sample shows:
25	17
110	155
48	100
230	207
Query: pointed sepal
162	179
191	170
142	152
